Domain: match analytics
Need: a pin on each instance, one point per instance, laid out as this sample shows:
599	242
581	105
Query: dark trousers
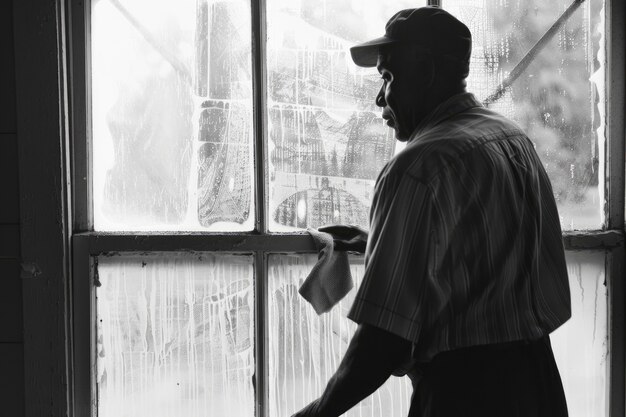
518	379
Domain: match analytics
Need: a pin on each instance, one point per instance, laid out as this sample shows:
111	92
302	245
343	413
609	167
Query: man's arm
373	354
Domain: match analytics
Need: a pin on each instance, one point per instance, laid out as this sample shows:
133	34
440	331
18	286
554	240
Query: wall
11	335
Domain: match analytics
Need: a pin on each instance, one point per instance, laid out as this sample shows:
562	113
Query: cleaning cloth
330	279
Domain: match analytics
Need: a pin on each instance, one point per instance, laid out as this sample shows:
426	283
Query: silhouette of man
465	273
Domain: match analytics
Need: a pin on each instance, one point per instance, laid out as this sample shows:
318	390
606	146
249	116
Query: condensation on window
172	115
559	100
305	349
327	141
581	344
172	108
175	336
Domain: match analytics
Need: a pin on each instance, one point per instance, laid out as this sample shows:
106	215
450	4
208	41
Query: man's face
403	95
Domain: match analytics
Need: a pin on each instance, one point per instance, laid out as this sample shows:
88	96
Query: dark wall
11	339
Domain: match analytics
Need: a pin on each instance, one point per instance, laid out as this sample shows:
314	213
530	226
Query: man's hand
347	238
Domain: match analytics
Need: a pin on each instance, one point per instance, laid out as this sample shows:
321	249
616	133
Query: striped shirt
465	243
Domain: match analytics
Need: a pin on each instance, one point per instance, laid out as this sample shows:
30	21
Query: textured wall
11	339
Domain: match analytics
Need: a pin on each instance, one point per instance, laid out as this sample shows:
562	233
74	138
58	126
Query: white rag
330	279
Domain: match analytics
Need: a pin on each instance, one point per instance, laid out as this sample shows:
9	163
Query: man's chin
400	135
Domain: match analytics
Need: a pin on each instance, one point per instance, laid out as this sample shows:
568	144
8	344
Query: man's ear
426	65
427	70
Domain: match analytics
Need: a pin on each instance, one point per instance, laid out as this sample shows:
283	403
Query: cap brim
366	54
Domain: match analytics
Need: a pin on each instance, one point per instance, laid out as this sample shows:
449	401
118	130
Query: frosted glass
581	345
559	100
175	336
327	140
305	349
172	120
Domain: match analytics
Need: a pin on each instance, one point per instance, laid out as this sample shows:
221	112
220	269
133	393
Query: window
218	130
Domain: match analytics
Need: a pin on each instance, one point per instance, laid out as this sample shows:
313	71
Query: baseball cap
430	27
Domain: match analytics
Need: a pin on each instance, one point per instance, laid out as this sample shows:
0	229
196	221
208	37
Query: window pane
558	100
581	345
305	349
327	140
175	336
172	120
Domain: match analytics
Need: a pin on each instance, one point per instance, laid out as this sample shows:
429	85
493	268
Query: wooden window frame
58	246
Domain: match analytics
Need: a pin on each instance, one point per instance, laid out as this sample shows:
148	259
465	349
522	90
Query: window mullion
259	87
259	91
616	365
261	317
616	98
99	243
79	48
83	331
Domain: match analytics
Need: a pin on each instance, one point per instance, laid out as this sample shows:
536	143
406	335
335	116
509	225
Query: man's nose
380	98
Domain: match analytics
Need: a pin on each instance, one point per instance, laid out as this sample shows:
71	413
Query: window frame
59	253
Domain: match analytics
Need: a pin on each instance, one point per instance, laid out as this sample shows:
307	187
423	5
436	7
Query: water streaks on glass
305	349
581	344
175	336
558	100
327	140
172	118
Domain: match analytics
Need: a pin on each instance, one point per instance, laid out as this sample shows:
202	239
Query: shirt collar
453	105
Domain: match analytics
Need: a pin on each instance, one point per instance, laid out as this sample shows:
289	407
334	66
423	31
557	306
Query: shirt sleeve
398	261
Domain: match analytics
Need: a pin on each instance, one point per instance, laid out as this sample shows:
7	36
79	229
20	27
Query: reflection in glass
327	140
175	336
305	349
172	118
558	100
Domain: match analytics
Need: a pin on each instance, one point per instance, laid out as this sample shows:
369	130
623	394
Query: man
465	273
